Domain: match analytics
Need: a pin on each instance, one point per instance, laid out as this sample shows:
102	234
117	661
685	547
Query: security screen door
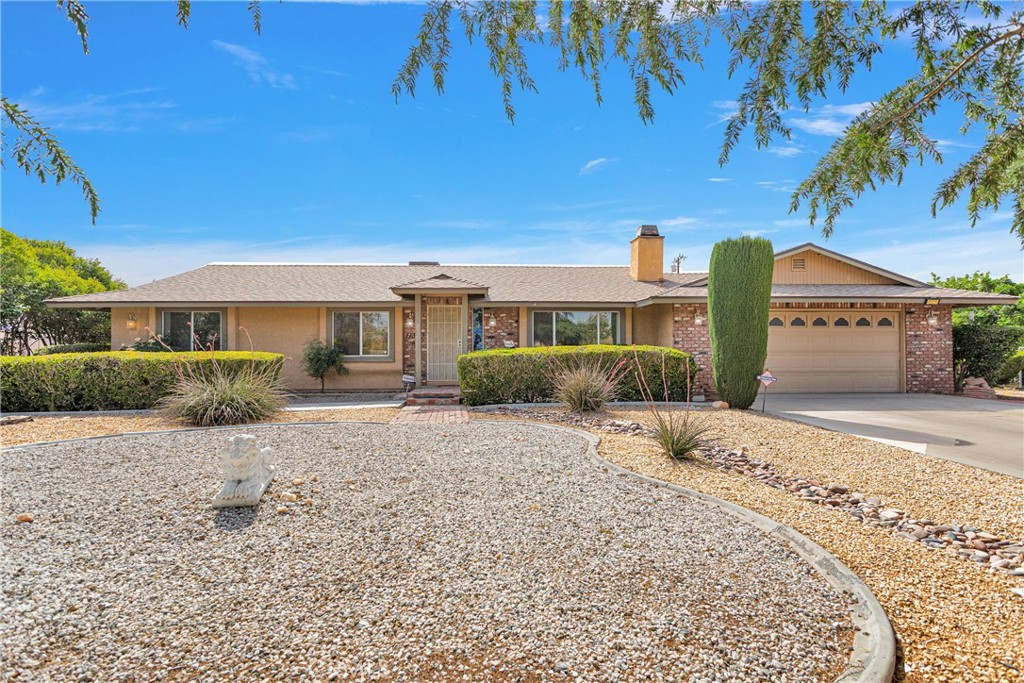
444	342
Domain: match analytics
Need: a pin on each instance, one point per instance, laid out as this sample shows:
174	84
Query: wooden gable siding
819	269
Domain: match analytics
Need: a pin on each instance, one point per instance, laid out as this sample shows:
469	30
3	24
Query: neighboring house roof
854	293
269	284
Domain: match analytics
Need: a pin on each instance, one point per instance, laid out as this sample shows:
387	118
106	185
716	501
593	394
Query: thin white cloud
257	66
595	165
719	180
963	251
127	111
785	151
678	221
830	119
946	145
757	233
775	185
791	223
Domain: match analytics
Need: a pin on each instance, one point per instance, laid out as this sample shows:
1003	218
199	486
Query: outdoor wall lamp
698	320
409	322
933	320
132	322
492	321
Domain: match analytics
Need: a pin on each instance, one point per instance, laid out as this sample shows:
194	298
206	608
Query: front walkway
453	414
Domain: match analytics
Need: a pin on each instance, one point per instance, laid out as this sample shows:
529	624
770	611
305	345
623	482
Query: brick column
694	339
929	349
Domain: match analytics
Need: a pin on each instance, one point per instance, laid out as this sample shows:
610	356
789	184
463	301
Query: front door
444	342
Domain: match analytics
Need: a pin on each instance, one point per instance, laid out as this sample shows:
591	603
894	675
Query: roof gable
809	264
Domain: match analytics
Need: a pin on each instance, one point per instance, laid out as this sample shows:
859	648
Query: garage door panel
860	353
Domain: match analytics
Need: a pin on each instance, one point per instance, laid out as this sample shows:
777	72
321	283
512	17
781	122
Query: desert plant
586	385
524	375
318	359
739	295
680	436
213	397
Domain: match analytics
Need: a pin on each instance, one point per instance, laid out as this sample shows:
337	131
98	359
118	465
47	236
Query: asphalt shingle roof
270	284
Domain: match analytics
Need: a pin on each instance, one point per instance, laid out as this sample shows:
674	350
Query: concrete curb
873	659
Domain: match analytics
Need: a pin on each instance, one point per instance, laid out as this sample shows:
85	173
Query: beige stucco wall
120	334
653	325
287	330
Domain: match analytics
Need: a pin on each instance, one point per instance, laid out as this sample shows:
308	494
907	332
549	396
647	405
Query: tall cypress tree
739	294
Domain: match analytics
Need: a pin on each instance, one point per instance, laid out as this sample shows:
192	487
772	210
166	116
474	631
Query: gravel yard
955	621
76	426
413	552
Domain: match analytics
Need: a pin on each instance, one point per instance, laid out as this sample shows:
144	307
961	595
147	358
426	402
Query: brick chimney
647	255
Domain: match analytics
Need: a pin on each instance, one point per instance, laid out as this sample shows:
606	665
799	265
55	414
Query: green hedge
84	347
111	380
980	350
1012	367
523	375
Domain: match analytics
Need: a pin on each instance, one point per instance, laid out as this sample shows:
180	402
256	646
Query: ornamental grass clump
210	396
586	385
680	436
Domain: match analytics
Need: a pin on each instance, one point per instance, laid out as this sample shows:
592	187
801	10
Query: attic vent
424	263
799	263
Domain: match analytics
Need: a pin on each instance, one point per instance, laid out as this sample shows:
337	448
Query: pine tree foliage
739	295
970	55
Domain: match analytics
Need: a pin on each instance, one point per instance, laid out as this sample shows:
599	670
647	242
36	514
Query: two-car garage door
834	351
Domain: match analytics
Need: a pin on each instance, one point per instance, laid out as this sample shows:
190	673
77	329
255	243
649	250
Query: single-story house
836	323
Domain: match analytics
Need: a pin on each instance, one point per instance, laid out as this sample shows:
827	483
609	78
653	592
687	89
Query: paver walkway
439	414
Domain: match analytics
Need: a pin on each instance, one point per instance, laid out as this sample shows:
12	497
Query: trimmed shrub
524	375
981	350
84	347
739	295
211	396
1011	368
113	380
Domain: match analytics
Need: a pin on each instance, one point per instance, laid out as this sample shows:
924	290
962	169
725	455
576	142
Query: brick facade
506	327
929	350
694	339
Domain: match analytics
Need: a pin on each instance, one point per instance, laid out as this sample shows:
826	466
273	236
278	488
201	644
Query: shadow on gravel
234	519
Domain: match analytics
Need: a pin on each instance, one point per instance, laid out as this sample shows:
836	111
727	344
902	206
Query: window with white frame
193	330
575	328
363	333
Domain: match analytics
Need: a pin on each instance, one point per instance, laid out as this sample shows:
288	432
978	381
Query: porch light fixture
931	302
933	320
492	321
409	322
698	320
132	323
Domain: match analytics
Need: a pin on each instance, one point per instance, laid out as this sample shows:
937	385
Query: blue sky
215	144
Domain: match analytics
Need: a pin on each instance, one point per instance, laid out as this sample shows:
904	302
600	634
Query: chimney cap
424	263
647	231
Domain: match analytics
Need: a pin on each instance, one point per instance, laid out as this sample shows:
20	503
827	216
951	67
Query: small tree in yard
318	359
739	294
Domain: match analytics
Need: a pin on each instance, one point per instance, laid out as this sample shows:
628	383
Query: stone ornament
248	471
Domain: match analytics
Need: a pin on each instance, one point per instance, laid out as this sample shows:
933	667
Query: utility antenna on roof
677	262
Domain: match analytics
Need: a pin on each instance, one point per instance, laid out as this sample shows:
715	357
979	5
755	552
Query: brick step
433	401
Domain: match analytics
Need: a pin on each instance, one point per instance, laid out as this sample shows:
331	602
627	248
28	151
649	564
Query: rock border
873	658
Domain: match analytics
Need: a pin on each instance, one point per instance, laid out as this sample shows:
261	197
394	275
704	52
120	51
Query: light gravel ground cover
412	552
77	426
955	621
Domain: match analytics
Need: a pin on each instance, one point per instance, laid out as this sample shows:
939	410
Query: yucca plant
213	396
679	436
585	385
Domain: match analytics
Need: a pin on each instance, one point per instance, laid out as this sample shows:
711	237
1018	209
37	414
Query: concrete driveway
985	434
